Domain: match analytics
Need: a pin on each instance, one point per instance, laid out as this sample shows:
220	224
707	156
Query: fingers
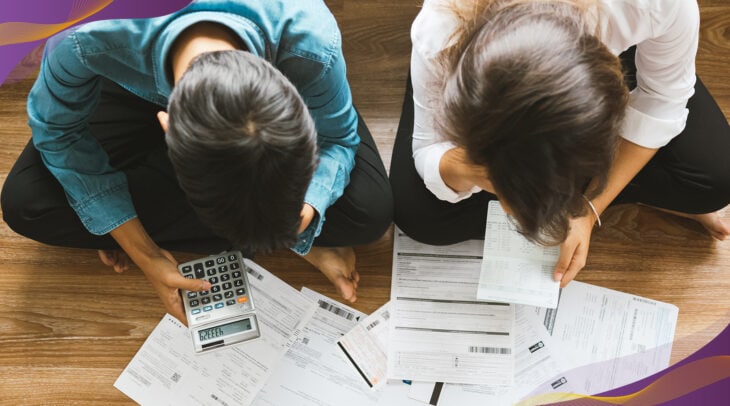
193	285
576	265
561	267
174	306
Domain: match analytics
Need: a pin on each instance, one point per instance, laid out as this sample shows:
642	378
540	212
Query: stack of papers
443	339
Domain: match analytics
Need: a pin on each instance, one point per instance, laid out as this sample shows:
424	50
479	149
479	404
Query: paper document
538	369
316	372
621	337
366	346
439	332
515	270
166	370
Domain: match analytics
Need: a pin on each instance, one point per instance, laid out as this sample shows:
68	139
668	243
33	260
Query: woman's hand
574	250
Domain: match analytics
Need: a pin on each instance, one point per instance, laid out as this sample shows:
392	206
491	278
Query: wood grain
69	326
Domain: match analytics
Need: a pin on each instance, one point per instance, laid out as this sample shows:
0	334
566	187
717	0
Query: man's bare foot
338	265
117	259
711	221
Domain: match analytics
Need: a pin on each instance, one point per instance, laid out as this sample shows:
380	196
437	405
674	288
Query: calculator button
194	303
192	295
227	285
238	282
215	289
225	277
217	298
220	260
205	300
199	272
211	272
240	291
237	274
234	265
209	263
223	268
228	294
189	276
213	280
232	257
195	311
218	305
242	299
207	308
230	302
187	269
203	293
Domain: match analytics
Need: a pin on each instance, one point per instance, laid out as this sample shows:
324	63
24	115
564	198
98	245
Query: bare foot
116	259
338	265
711	221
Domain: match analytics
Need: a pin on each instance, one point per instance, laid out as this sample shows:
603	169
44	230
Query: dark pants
34	204
691	174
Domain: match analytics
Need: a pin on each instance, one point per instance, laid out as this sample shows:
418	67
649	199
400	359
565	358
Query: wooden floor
69	326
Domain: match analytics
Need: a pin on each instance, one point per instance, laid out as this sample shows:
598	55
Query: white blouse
666	34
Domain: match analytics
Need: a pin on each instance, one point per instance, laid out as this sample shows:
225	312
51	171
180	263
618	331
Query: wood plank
70	326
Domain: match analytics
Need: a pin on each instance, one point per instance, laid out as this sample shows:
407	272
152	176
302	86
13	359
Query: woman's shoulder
625	23
434	27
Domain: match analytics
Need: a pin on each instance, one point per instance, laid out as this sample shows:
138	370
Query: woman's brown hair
533	95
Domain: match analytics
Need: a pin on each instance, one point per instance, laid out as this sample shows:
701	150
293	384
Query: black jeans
691	174
34	203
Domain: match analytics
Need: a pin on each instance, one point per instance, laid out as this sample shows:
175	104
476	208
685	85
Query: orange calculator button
242	299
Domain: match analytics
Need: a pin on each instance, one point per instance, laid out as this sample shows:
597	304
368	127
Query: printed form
316	372
366	346
167	371
515	270
617	338
538	369
439	331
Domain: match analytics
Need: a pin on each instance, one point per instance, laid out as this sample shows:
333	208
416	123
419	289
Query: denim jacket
299	37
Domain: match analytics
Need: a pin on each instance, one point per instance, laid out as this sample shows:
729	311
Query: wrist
593	211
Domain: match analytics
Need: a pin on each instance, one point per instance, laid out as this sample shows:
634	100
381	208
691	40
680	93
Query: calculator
225	314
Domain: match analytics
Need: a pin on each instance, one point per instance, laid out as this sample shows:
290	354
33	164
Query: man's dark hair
536	98
243	145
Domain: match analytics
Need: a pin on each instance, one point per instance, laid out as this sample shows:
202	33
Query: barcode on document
255	274
490	350
336	310
372	325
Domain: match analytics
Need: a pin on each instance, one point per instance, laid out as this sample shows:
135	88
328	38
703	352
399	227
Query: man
262	144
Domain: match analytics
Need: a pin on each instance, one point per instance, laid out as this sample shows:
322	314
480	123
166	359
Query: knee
22	208
13	200
377	218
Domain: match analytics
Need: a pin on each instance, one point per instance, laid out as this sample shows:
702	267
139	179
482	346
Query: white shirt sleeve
430	33
666	33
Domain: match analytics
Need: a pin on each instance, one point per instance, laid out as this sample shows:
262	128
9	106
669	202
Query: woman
526	101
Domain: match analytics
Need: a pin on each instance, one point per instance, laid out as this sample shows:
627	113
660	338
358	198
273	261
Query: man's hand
574	250
161	271
158	265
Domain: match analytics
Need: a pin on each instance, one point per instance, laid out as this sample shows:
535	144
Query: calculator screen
223	330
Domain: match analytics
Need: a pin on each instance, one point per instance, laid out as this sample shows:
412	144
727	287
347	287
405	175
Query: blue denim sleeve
60	103
330	104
